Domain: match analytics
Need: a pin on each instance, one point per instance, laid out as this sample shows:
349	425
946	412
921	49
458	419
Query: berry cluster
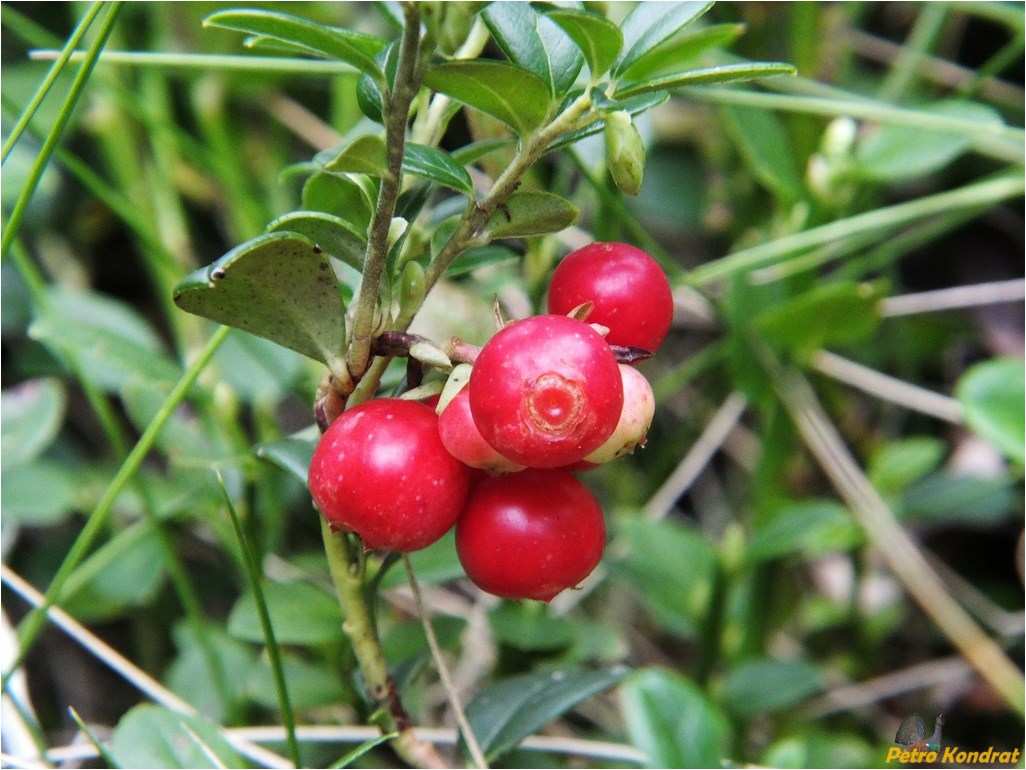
545	397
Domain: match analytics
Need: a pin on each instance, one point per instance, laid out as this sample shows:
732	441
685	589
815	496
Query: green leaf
724	73
767	149
192	676
941	497
471	259
504	713
530	626
300	614
351	756
509	94
808	527
821	749
311	685
651	23
992	396
127	571
340	196
151	736
330	42
292	454
898	463
336	237
31	415
673	54
670	719
765	686
894	152
38	493
364	155
671	567
831	314
531	213
279	286
598	38
435	564
534	43
108	341
438	166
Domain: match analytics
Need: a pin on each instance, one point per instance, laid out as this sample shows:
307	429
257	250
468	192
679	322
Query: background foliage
766	597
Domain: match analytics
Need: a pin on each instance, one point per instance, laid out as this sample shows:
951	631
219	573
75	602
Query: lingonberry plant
395	209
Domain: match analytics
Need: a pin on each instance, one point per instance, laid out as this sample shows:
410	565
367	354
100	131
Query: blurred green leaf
530	626
31	415
509	94
192	677
671	567
670	719
438	166
292	454
364	155
898	463
821	748
725	73
504	713
300	614
480	256
330	42
598	38
531	213
672	55
38	493
809	527
765	686
279	286
834	313
992	394
126	571
311	685
406	641
533	42
767	149
152	736
435	564
651	23
967	499
108	340
893	152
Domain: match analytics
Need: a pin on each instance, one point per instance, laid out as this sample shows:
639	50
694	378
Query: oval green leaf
831	314
512	95
154	736
672	721
534	43
31	414
364	155
673	54
651	23
765	686
300	614
438	166
334	235
279	286
504	713
531	213
330	42
598	38
992	396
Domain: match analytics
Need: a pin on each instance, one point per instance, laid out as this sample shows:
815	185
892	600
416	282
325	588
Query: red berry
628	289
381	471
546	391
529	535
464	441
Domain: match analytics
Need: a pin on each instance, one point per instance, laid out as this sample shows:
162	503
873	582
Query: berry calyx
381	471
546	391
629	292
530	535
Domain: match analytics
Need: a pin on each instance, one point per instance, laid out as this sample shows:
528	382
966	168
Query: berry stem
347	573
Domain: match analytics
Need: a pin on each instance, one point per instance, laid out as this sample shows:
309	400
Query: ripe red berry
546	391
381	471
464	441
628	289
529	535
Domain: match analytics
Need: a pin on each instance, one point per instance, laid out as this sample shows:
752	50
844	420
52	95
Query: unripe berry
530	535
380	470
546	391
635	419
